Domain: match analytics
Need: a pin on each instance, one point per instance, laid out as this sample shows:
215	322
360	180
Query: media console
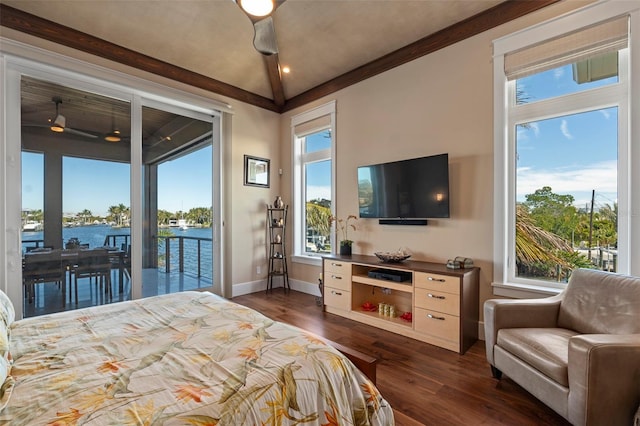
443	302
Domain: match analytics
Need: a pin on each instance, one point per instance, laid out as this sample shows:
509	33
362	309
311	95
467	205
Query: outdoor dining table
68	258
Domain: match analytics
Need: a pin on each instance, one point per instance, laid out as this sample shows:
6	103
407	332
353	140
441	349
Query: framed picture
256	171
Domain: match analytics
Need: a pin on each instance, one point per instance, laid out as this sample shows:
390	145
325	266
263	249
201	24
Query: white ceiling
319	39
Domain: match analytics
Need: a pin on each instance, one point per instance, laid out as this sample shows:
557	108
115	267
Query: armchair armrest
520	313
604	378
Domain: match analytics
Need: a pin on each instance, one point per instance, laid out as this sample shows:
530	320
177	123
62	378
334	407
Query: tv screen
407	189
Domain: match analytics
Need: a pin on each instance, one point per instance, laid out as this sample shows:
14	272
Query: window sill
307	259
523	291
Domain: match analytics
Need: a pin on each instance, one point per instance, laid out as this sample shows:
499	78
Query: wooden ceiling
329	45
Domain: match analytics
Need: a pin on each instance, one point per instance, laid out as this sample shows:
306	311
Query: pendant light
114	134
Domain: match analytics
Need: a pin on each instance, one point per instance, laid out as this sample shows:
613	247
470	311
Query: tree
200	215
540	252
318	218
553	212
86	215
114	214
120	214
163	217
534	244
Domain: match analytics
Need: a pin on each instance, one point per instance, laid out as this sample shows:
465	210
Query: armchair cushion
589	306
545	349
505	314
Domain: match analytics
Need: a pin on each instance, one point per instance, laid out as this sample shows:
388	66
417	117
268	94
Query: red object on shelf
407	316
370	307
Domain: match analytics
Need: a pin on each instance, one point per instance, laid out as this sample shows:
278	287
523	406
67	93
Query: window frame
507	114
299	159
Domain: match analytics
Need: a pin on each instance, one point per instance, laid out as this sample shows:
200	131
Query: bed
189	358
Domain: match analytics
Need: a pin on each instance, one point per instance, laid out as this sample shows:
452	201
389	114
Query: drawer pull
435	297
441	280
336	264
337	293
435	317
335	277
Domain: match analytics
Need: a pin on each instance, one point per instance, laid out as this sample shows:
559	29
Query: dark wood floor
431	385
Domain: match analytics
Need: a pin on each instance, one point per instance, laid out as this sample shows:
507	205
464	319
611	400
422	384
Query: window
562	150
313	135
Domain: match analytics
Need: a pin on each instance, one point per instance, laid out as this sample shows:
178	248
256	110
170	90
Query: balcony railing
188	255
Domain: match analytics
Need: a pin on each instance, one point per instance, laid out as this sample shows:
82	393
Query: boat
178	223
32	226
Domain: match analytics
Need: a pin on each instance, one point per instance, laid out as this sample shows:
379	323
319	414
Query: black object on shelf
390	275
277	223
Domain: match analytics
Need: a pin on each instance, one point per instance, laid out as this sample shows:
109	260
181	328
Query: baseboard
261	285
481	330
248	287
305	287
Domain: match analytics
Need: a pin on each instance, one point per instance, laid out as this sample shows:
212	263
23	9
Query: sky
318	174
96	185
573	155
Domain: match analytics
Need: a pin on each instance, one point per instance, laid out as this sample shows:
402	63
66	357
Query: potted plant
343	226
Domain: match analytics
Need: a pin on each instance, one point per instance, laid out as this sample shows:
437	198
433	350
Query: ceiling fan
260	13
59	123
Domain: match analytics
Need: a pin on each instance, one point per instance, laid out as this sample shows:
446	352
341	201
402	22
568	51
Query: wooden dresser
443	302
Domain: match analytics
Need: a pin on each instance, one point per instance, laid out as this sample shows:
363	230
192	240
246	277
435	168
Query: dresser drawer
337	298
336	280
437	301
437	282
338	266
437	324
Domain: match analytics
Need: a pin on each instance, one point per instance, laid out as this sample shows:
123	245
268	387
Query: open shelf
377	317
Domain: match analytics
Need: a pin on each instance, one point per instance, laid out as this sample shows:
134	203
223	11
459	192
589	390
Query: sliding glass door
118	196
178	247
75	197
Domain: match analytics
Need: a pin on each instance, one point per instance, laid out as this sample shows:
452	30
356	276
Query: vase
345	249
278	203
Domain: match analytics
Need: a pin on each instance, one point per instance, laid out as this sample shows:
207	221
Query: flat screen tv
417	188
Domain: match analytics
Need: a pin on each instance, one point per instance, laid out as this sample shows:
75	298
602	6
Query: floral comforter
189	359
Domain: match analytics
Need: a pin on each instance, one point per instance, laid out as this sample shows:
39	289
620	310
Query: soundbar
402	221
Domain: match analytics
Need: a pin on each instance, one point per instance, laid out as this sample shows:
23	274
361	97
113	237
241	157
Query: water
95	235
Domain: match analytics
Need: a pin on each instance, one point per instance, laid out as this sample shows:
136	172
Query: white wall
438	103
442	102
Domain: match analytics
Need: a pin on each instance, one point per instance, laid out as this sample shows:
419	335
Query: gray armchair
578	352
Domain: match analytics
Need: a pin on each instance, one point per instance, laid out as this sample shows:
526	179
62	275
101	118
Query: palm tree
85	215
534	244
318	218
114	213
539	250
163	217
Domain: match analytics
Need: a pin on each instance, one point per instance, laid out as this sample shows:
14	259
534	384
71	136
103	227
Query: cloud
605	113
558	73
318	192
536	128
579	182
523	133
564	128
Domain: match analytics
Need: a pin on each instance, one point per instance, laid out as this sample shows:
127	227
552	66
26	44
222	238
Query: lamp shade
59	123
113	136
